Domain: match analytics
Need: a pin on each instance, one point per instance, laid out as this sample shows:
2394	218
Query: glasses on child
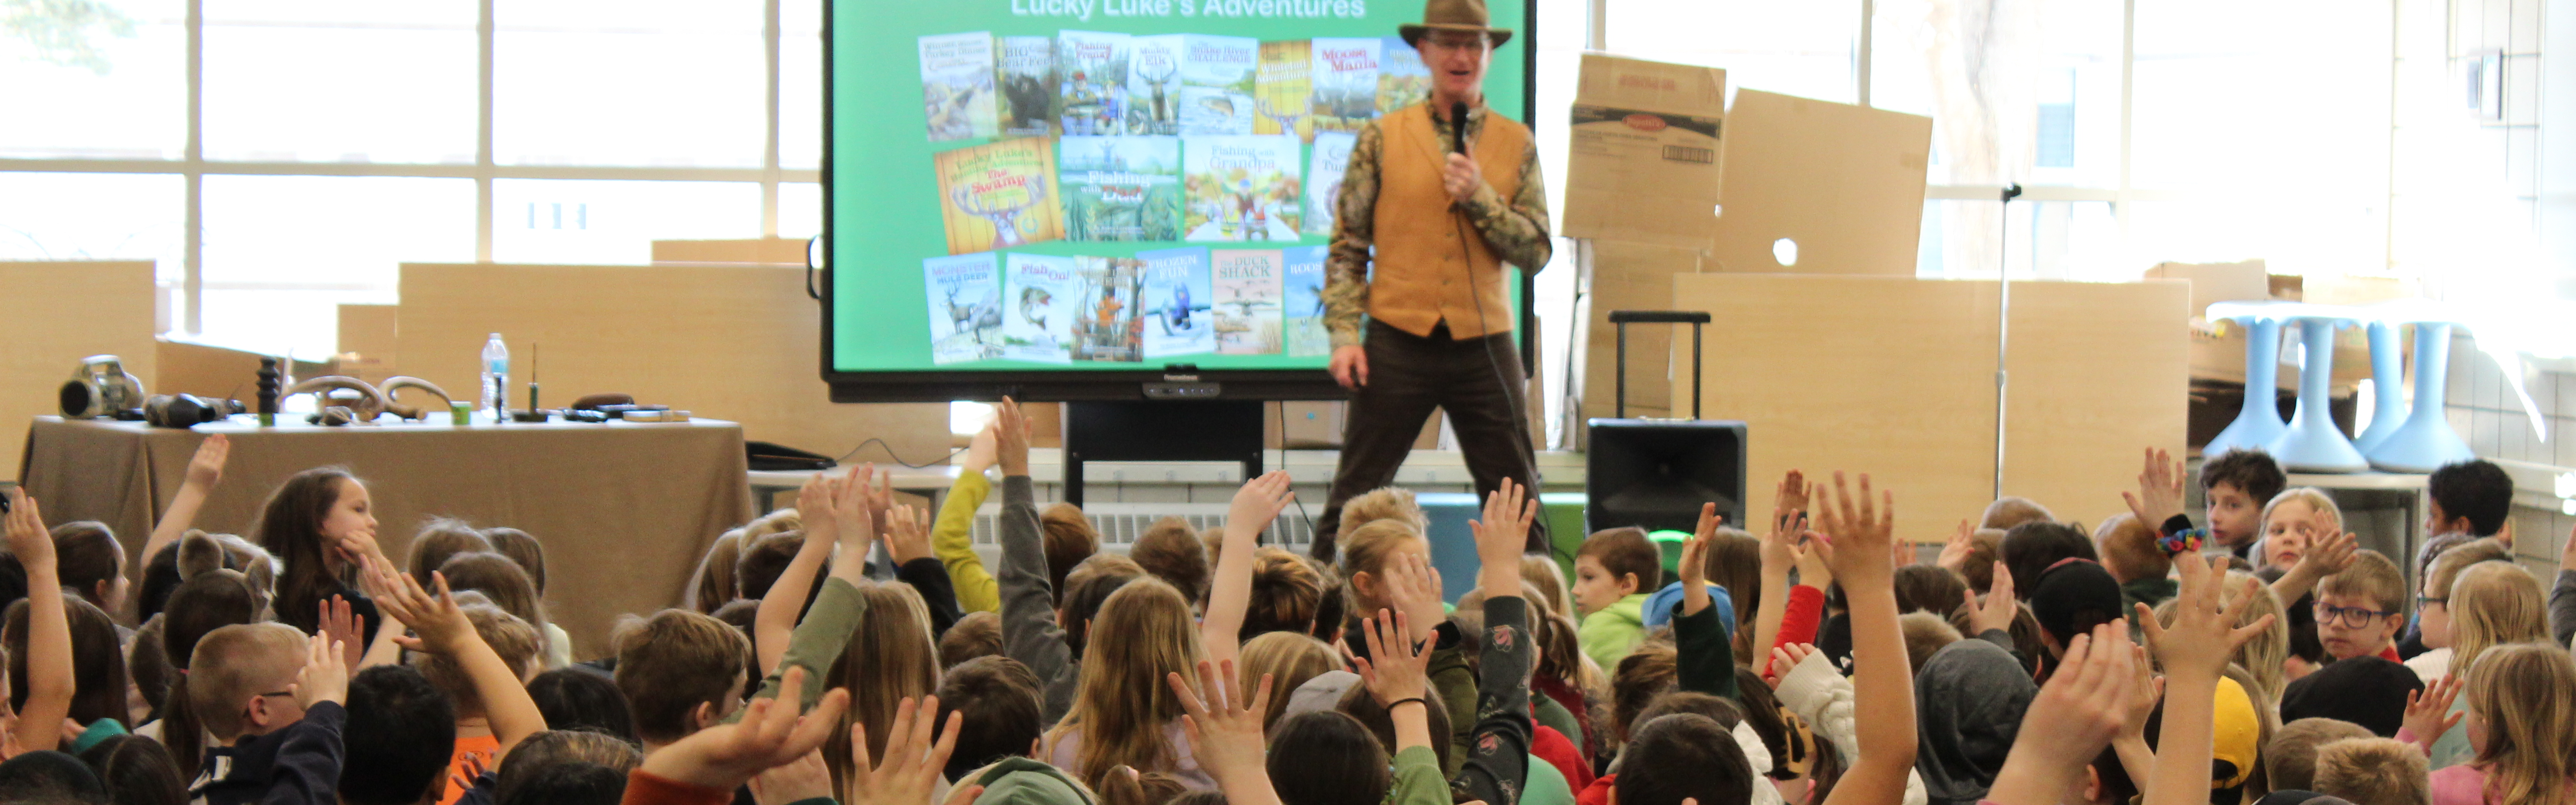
2350	617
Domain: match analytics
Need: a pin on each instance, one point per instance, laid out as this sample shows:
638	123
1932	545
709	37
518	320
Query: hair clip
2182	542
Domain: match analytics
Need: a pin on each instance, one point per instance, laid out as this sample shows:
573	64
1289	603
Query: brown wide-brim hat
1453	15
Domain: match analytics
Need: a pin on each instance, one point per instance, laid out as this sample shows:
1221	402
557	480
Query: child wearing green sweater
1612	572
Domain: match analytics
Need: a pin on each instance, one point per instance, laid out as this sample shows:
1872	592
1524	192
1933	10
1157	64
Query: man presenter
1421	233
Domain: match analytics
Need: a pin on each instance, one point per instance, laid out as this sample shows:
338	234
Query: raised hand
1500	538
1789	504
983	450
858	524
206	468
2159	496
2428	711
917	748
2204	633
443	627
1856	536
1257	503
345	627
1011	437
772	733
2330	553
29	541
1396	668
1224	730
907	534
1785	658
818	506
1955	552
2000	607
1413	586
325	676
2073	717
1694	565
2145	690
1813	570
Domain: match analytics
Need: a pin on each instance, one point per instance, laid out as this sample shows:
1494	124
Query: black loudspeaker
1655	473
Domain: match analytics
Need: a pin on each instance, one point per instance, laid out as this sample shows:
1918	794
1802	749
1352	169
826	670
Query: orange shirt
482	746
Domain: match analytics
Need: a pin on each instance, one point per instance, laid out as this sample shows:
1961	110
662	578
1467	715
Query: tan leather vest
1422	272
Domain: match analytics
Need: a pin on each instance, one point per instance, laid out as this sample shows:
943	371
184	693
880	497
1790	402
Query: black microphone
1458	127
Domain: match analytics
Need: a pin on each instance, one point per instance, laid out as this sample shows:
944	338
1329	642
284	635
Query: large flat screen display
1065	197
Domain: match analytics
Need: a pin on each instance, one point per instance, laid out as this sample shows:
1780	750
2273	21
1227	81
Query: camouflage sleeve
1516	230
1346	268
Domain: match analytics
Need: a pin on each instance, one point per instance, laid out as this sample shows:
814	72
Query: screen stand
1150	430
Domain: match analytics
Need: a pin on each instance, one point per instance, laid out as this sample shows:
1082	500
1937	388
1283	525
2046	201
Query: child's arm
952	537
1788	519
1226	738
2330	555
204	471
907	542
819	639
1705	660
817	504
2194	650
2160	493
1255	505
50	678
1029	631
1498	763
1856	544
708	765
444	629
1395	672
307	768
1413	586
2074	716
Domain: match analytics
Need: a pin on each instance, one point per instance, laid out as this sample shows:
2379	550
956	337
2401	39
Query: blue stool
2312	444
2388	400
2258	422
2426	441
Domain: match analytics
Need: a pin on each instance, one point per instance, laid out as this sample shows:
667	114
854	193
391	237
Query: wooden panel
733	342
1845	182
52	315
368	334
2099	372
777	251
1895	376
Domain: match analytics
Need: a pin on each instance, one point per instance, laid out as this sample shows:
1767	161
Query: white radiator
1120	524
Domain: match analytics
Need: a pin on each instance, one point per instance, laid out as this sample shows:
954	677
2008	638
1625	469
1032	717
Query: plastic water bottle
496	378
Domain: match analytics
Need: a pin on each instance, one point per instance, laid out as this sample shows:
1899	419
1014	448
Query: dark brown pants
1478	381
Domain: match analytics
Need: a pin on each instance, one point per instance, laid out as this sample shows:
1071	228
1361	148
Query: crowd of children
854	650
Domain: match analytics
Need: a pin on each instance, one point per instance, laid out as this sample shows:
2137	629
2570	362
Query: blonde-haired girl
2521	717
2492	604
1124	713
890	657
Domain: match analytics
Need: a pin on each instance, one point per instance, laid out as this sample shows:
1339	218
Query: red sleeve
1559	751
643	788
1599	792
1798	621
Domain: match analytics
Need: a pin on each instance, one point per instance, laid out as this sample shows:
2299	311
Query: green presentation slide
1087	185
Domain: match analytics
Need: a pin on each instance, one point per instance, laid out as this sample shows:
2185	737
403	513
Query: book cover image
1091	68
1217	83
1247	301
1178	302
1108	327
1028	86
1402	79
1325	168
1280	89
1344	77
1120	188
1154	84
1303	306
999	195
1241	188
965	294
957	86
1041	297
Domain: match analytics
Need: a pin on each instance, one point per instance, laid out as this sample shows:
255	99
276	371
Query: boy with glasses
2360	610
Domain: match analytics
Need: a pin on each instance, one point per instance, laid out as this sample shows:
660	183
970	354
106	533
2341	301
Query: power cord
890	453
1520	416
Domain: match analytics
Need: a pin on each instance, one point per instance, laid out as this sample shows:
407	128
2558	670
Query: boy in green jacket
1612	571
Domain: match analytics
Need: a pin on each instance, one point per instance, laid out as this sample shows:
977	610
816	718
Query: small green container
460	414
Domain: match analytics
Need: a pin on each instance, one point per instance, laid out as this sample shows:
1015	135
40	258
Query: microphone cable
1467	255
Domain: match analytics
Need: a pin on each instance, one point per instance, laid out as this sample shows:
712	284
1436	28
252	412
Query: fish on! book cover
1281	89
1248	286
1120	188
1028	86
1402	79
1041	297
1092	70
999	195
1108	327
1178	302
957	86
1330	162
1241	188
1154	68
1217	83
1344	77
1303	276
965	294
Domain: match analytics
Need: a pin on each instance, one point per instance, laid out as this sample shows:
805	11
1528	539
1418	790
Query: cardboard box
1632	276
1842	182
1645	162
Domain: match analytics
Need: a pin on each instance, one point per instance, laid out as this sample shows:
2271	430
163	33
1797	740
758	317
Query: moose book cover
1248	286
1344	76
1041	296
1121	188
1154	69
965	293
1241	188
957	86
1178	302
1028	86
999	195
